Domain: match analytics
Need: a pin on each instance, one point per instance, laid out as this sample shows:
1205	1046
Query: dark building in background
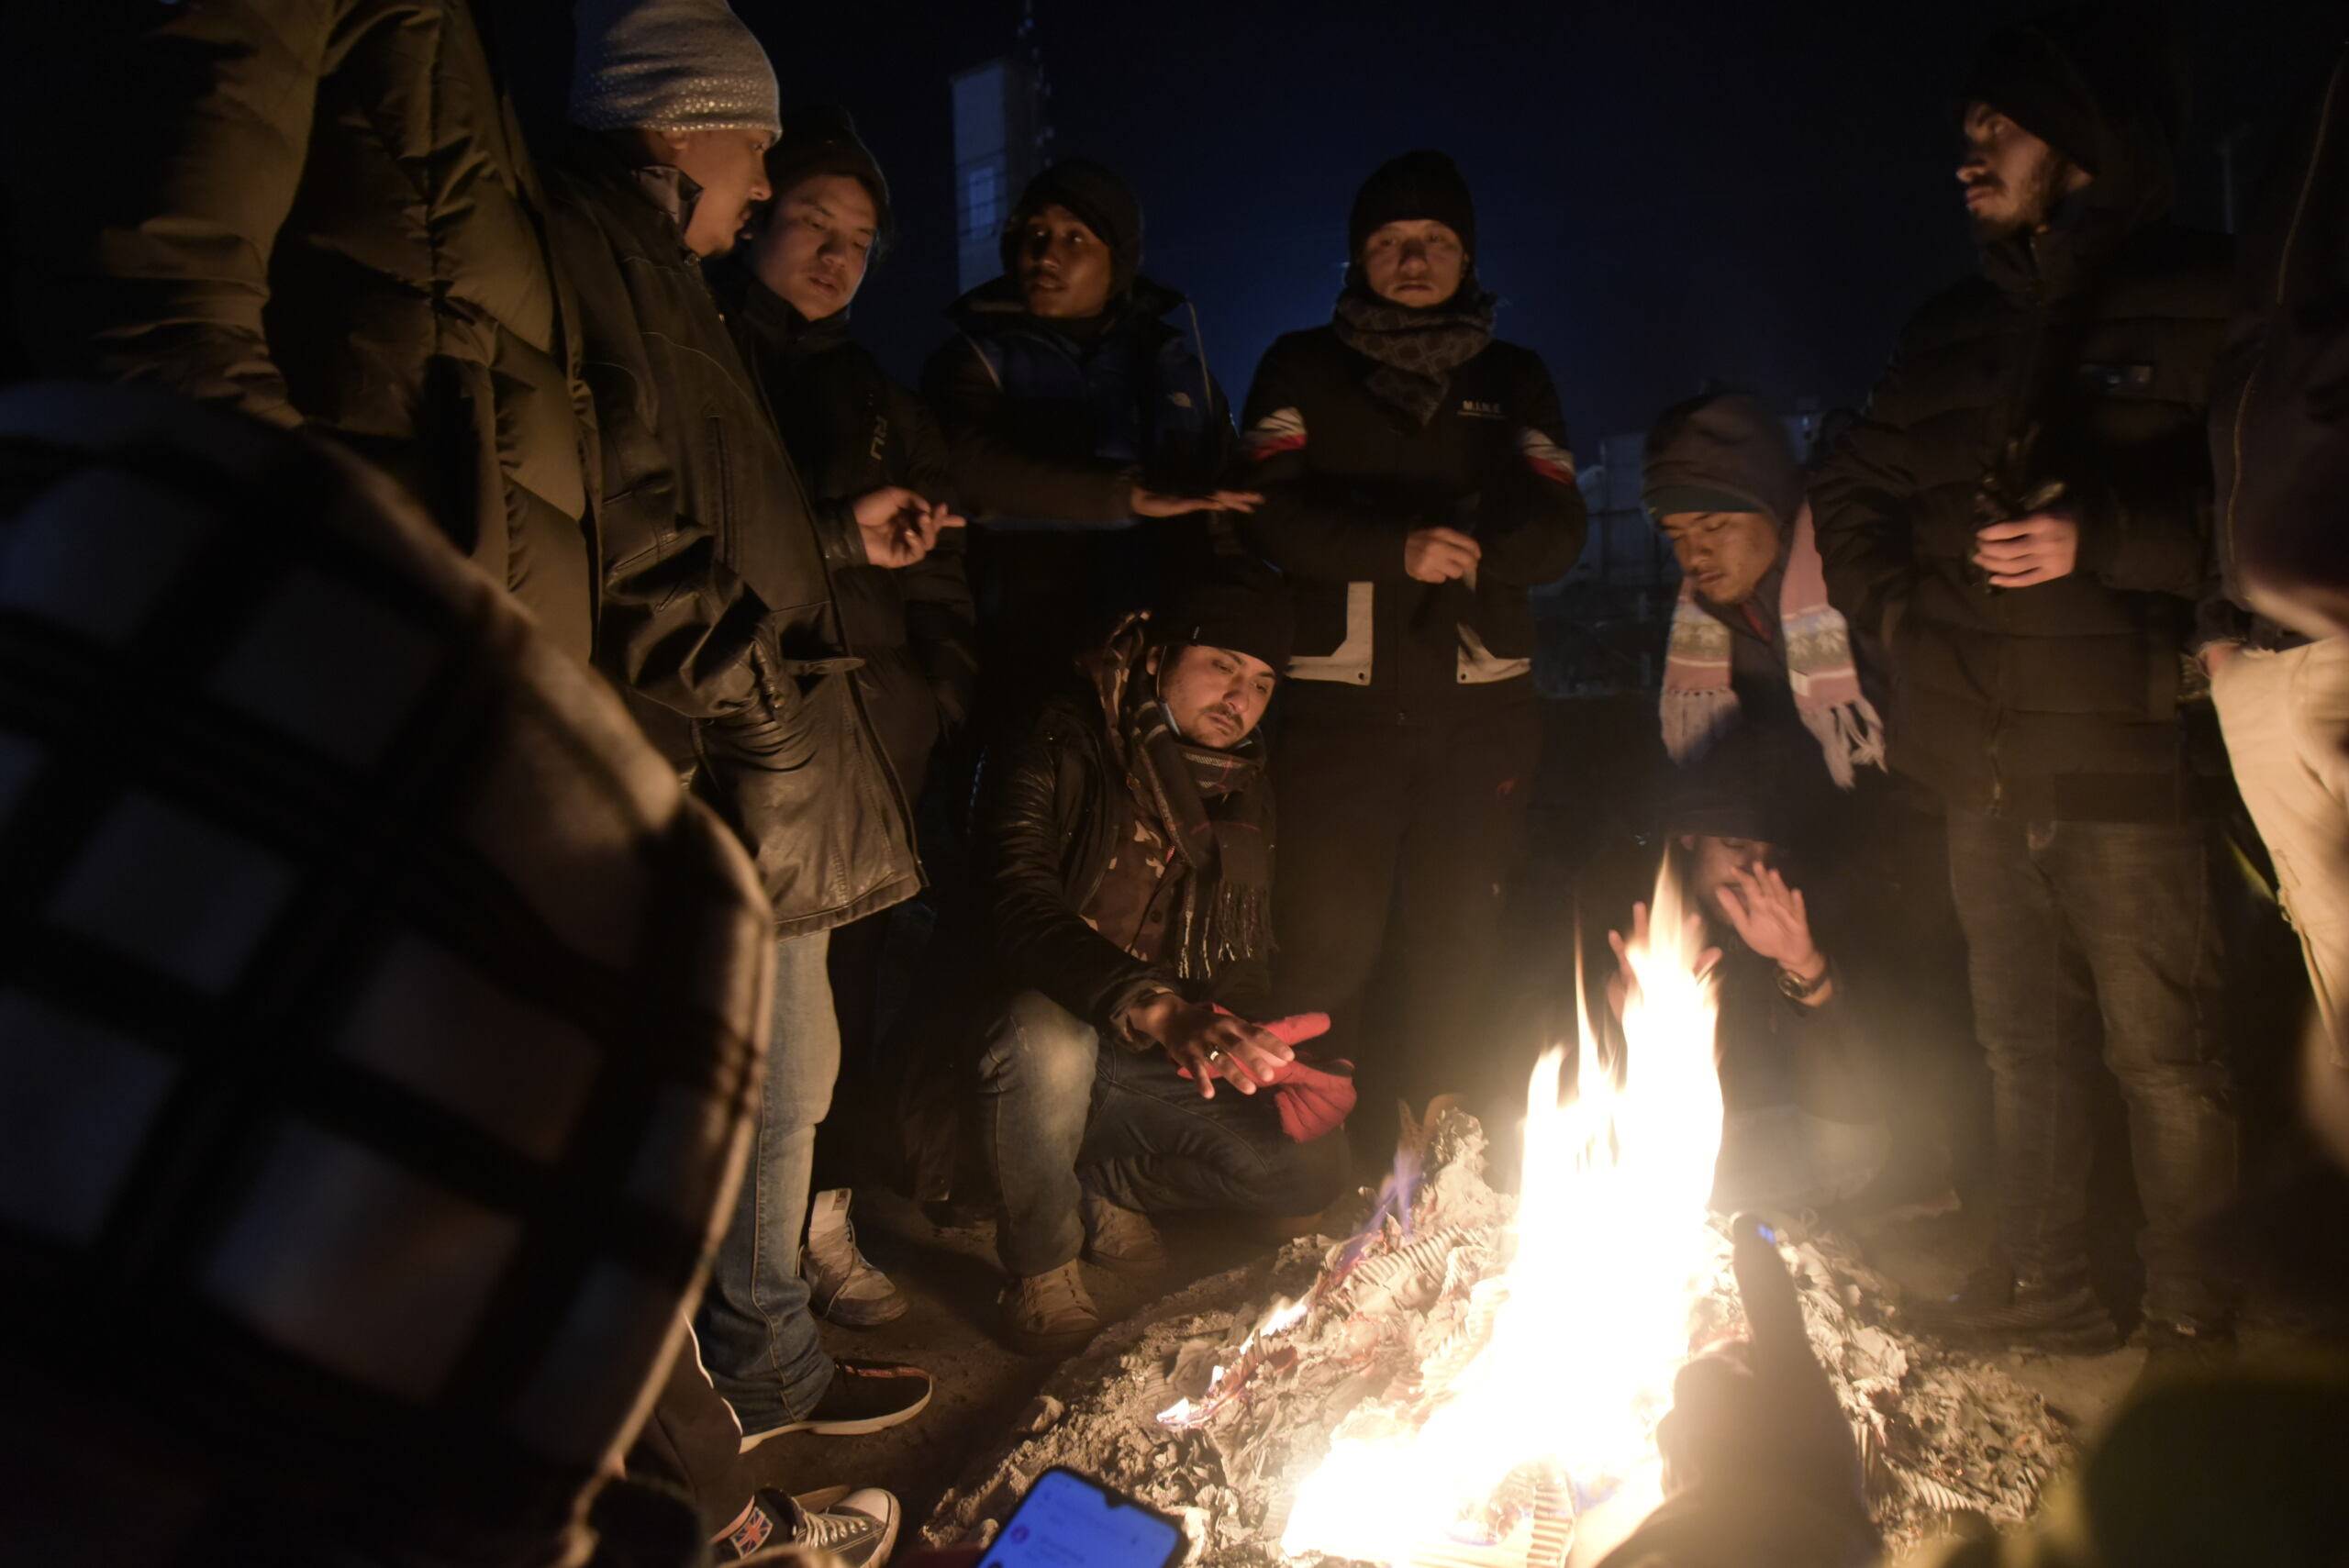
999	139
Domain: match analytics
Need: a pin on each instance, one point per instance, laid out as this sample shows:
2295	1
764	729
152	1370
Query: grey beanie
672	65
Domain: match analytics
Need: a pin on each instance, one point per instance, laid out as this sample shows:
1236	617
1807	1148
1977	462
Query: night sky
1669	192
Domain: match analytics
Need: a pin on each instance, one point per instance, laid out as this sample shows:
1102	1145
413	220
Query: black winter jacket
2058	701
717	604
321	213
851	429
1346	479
1048	805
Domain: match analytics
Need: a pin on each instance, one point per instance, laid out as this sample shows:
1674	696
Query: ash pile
1217	1402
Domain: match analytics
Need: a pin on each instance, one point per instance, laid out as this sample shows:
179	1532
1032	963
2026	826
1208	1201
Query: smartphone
1069	1521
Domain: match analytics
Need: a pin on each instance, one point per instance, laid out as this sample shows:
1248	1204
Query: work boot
1120	1239
1993	1307
1051	1313
857	1531
862	1396
842	1284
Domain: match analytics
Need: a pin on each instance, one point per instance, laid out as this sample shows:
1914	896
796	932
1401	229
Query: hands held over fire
898	527
2024	551
1162	504
1623	985
1207	1044
1772	919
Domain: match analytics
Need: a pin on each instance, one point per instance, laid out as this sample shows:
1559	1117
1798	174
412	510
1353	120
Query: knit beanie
1425	185
675	66
1722	452
1104	202
383	1026
1246	616
821	139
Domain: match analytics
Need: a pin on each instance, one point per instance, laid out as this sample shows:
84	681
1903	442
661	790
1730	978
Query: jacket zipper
2283	272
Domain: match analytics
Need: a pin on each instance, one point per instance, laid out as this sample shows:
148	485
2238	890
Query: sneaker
864	1396
1049	1314
844	1286
857	1531
1119	1239
1993	1307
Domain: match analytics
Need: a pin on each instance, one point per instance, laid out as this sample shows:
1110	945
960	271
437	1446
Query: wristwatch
1795	988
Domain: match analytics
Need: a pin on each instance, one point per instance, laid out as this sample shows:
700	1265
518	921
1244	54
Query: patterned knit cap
674	65
378	1021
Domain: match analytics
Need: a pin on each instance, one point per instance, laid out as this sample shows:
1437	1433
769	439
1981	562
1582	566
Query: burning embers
1463	1383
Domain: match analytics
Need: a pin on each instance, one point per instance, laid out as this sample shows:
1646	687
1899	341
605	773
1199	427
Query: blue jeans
1060	1115
2073	930
758	1336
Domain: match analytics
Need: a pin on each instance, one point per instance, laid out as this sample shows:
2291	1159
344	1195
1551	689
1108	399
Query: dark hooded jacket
717	600
1050	428
2080	356
851	429
2279	443
321	213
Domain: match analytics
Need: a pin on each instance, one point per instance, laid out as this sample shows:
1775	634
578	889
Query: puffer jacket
717	604
320	212
2080	356
851	429
1048	808
1346	479
1049	432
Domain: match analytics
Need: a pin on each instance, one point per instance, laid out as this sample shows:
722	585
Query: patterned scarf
1416	349
1210	803
1698	702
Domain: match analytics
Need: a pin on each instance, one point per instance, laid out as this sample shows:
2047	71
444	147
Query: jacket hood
2097	85
1728	445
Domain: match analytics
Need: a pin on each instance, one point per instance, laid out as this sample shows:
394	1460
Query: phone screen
1067	1521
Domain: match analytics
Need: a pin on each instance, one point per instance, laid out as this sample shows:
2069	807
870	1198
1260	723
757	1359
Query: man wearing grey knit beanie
719	621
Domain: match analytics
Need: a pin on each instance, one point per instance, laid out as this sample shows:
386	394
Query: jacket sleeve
1863	503
678	622
1531	523
1043	942
1310	526
994	475
159	150
941	615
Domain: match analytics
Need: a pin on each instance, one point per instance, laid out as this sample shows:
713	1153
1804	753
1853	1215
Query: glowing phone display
1067	1521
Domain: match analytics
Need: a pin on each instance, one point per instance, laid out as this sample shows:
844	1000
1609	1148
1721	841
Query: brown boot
1120	1239
1049	1314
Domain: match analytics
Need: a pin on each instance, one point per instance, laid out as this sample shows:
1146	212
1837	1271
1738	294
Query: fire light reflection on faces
1591	1318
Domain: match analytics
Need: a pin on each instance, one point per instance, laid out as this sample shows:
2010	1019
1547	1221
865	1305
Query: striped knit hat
378	1022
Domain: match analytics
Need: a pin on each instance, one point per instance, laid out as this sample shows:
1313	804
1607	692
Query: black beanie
1246	616
1102	201
1422	185
821	139
1721	453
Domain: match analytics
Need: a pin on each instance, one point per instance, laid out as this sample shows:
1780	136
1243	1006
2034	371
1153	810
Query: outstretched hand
899	529
1163	504
1207	1044
1772	919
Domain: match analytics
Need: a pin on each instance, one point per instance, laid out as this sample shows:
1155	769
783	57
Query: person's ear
1150	661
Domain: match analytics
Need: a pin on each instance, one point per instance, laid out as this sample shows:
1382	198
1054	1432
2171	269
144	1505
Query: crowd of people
432	1010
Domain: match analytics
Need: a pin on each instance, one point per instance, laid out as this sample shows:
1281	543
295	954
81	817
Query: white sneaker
841	1280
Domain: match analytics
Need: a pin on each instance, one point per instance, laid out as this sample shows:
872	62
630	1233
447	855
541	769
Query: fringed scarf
1210	803
1415	350
1699	704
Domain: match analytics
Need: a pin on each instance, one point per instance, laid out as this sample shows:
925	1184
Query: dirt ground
1592	843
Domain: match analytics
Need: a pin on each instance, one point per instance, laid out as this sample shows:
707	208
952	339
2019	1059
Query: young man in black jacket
718	607
852	432
1126	840
2020	516
1416	484
1088	440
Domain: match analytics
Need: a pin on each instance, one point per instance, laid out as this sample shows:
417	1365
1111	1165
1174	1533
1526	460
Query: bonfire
1472	1380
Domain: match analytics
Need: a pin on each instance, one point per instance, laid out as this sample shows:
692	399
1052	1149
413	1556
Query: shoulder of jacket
2192	268
1957	311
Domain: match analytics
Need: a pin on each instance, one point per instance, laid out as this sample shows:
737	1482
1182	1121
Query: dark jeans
1060	1114
1398	841
2073	929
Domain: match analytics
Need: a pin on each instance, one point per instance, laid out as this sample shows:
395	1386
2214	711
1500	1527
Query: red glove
1312	1097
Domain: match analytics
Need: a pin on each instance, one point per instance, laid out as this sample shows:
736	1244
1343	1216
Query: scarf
1698	702
1415	350
1210	803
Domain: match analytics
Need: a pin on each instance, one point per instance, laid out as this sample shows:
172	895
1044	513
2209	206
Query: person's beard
2043	187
